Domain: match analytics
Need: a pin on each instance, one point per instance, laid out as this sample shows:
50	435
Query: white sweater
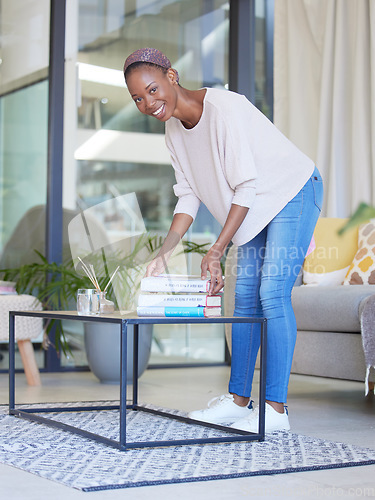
234	154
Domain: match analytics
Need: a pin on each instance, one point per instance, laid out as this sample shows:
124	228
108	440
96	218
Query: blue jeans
267	268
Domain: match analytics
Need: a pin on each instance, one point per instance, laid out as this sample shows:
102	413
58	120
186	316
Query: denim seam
251	333
250	339
268	396
314	189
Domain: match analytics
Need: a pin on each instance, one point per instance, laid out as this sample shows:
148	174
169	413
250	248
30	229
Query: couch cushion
331	308
329	354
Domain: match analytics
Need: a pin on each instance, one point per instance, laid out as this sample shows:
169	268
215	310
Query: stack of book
7	288
175	295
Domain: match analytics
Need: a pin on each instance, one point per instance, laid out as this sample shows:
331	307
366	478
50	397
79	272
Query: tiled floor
327	408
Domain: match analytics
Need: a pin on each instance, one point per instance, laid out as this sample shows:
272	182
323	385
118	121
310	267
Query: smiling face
153	91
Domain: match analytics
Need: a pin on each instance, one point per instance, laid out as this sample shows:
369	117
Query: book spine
179	300
192	312
166	285
7	291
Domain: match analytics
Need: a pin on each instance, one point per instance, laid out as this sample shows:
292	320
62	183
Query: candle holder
91	302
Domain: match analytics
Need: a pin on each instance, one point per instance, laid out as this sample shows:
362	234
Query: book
7	288
192	312
179	299
174	283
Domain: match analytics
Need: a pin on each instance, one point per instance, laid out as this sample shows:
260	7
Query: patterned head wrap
149	55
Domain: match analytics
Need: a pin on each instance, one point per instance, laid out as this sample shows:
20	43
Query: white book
179	300
8	283
174	283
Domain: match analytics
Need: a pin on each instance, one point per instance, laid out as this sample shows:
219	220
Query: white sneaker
221	410
274	421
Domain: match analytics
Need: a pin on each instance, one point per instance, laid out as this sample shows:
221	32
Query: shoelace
217	400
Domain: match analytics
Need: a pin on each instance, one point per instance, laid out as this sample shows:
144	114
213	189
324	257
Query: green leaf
363	213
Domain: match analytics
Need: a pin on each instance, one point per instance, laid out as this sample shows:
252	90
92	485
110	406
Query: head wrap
149	55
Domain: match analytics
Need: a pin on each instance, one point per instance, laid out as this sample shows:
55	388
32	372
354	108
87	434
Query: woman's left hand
211	263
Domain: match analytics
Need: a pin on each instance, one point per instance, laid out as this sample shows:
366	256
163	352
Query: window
119	149
24	54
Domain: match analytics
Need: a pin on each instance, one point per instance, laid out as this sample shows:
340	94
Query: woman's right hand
180	224
156	266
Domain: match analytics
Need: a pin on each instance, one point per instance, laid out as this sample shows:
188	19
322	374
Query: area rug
89	466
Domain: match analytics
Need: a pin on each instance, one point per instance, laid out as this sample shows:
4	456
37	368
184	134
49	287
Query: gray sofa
329	340
328	323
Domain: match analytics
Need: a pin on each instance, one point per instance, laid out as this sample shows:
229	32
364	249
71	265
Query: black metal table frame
123	321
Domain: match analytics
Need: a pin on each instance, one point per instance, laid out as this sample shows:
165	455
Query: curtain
324	93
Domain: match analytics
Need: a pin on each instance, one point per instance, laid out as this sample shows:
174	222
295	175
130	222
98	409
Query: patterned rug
89	466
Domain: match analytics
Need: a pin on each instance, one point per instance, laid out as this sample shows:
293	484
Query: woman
267	196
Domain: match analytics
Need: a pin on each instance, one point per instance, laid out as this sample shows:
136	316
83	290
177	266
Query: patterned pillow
362	269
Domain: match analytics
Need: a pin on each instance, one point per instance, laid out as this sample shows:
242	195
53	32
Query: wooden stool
25	329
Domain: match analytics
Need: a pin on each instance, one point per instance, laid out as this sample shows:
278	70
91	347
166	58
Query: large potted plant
102	341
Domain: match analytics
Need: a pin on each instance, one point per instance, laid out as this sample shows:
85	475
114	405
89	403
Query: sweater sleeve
239	164
188	202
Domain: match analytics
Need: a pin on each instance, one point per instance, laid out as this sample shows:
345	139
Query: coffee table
123	320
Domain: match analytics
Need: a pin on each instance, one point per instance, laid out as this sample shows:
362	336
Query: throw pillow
325	279
329	262
362	269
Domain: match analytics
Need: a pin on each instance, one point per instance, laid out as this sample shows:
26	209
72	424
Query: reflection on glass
119	150
24	55
263	80
24	43
23	172
193	34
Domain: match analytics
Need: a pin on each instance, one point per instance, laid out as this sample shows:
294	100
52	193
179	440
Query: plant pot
102	342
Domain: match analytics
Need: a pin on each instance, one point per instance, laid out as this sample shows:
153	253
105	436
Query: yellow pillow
362	269
330	261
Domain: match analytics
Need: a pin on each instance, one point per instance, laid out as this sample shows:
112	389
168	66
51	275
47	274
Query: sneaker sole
227	420
266	432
